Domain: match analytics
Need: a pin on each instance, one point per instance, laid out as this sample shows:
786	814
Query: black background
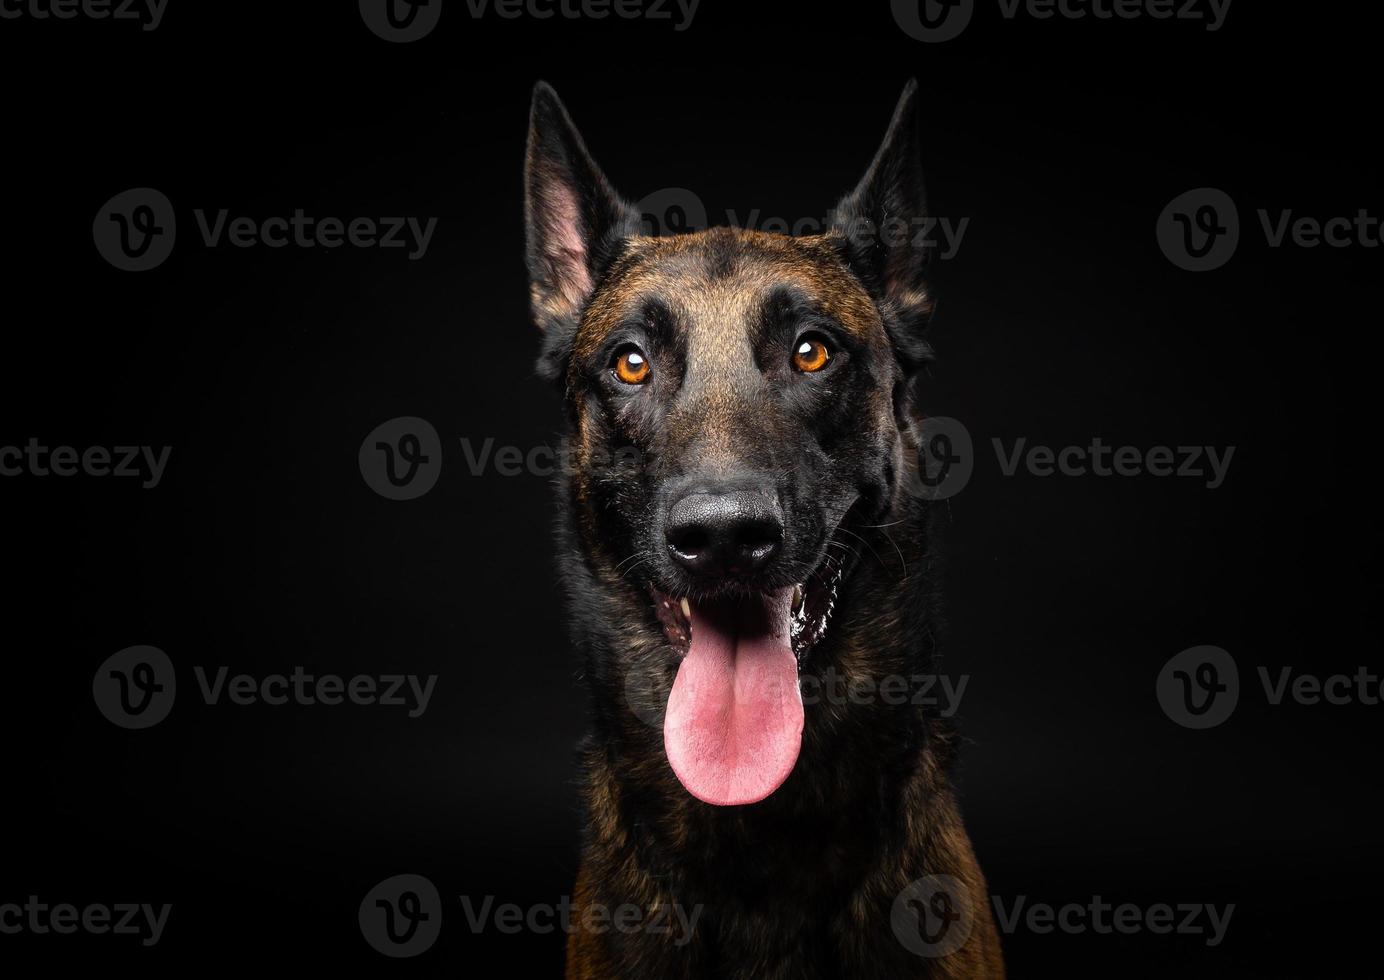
1060	320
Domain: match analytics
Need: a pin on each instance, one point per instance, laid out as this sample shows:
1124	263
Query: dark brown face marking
688	351
720	311
717	317
719	278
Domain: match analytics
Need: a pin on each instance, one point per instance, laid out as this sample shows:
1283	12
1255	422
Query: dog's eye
631	366
811	354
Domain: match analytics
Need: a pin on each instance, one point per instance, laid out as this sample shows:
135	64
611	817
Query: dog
740	516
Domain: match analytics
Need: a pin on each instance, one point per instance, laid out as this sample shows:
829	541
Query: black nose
720	534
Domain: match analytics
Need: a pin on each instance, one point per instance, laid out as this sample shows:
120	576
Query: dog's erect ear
575	222
884	237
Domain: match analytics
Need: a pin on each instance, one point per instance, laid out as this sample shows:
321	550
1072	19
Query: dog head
736	399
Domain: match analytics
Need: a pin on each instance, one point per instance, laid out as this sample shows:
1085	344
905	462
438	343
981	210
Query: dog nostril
714	534
757	539
689	541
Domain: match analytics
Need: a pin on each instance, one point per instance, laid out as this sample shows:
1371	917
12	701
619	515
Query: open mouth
811	604
734	720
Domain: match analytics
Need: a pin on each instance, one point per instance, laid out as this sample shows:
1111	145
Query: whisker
902	563
844	547
631	558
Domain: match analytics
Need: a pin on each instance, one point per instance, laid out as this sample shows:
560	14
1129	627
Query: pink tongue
734	722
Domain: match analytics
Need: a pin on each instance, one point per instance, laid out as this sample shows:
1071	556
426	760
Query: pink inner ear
565	248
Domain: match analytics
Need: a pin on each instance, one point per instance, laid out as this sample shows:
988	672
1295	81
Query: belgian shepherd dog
740	517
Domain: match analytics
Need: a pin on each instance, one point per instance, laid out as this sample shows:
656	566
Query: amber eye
811	354
631	366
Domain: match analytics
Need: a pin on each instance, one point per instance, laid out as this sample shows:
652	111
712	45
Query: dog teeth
797	597
686	607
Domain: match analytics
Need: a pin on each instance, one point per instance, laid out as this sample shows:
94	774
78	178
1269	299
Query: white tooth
686	607
797	597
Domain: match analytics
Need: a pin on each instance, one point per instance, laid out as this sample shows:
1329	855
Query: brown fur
802	885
